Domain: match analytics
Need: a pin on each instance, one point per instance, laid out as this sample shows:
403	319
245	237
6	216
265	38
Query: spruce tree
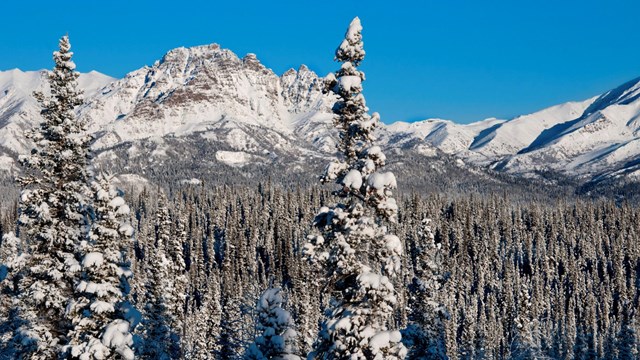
526	344
178	285
53	213
425	334
626	340
275	335
161	339
10	262
205	323
352	243
100	329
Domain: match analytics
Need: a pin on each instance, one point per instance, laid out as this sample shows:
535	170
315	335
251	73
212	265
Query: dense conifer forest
558	280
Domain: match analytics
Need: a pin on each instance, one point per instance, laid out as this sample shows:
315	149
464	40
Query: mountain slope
209	90
445	135
603	140
516	134
216	107
20	111
590	140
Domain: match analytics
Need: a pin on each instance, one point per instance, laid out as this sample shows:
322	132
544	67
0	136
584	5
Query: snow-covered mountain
590	140
514	135
209	91
20	111
604	140
446	135
249	111
245	114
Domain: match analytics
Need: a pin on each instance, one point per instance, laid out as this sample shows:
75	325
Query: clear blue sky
460	60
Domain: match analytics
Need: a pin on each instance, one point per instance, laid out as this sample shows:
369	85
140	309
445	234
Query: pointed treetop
64	46
65	77
354	32
352	49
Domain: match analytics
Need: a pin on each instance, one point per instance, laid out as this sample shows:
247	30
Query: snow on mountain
246	114
445	135
587	139
211	91
604	139
236	157
512	136
251	113
487	141
20	111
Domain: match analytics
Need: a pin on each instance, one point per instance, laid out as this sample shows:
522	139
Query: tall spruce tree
9	250
526	344
352	245
626	338
53	214
178	285
161	338
11	261
426	333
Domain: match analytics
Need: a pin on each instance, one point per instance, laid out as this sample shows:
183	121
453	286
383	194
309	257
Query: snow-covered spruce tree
526	344
175	285
175	252
275	334
426	333
11	260
352	244
203	316
100	329
626	339
205	322
160	338
53	215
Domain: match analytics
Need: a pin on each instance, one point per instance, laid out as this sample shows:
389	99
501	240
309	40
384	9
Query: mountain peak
199	52
622	95
250	57
201	88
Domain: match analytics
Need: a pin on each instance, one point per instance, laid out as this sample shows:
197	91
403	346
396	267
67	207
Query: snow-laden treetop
352	48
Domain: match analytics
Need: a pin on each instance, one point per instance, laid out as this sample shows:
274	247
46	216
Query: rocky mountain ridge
245	115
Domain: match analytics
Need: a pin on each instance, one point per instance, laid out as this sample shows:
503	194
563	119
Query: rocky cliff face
206	93
210	91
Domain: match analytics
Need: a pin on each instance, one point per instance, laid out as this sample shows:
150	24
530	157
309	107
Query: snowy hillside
210	91
487	141
245	114
602	140
20	111
514	135
445	135
589	140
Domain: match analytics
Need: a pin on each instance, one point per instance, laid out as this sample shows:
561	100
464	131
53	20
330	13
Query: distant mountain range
246	115
589	140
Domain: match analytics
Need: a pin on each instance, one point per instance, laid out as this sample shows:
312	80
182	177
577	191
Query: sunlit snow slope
252	115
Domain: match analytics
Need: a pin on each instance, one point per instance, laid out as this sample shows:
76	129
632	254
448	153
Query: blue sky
459	60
